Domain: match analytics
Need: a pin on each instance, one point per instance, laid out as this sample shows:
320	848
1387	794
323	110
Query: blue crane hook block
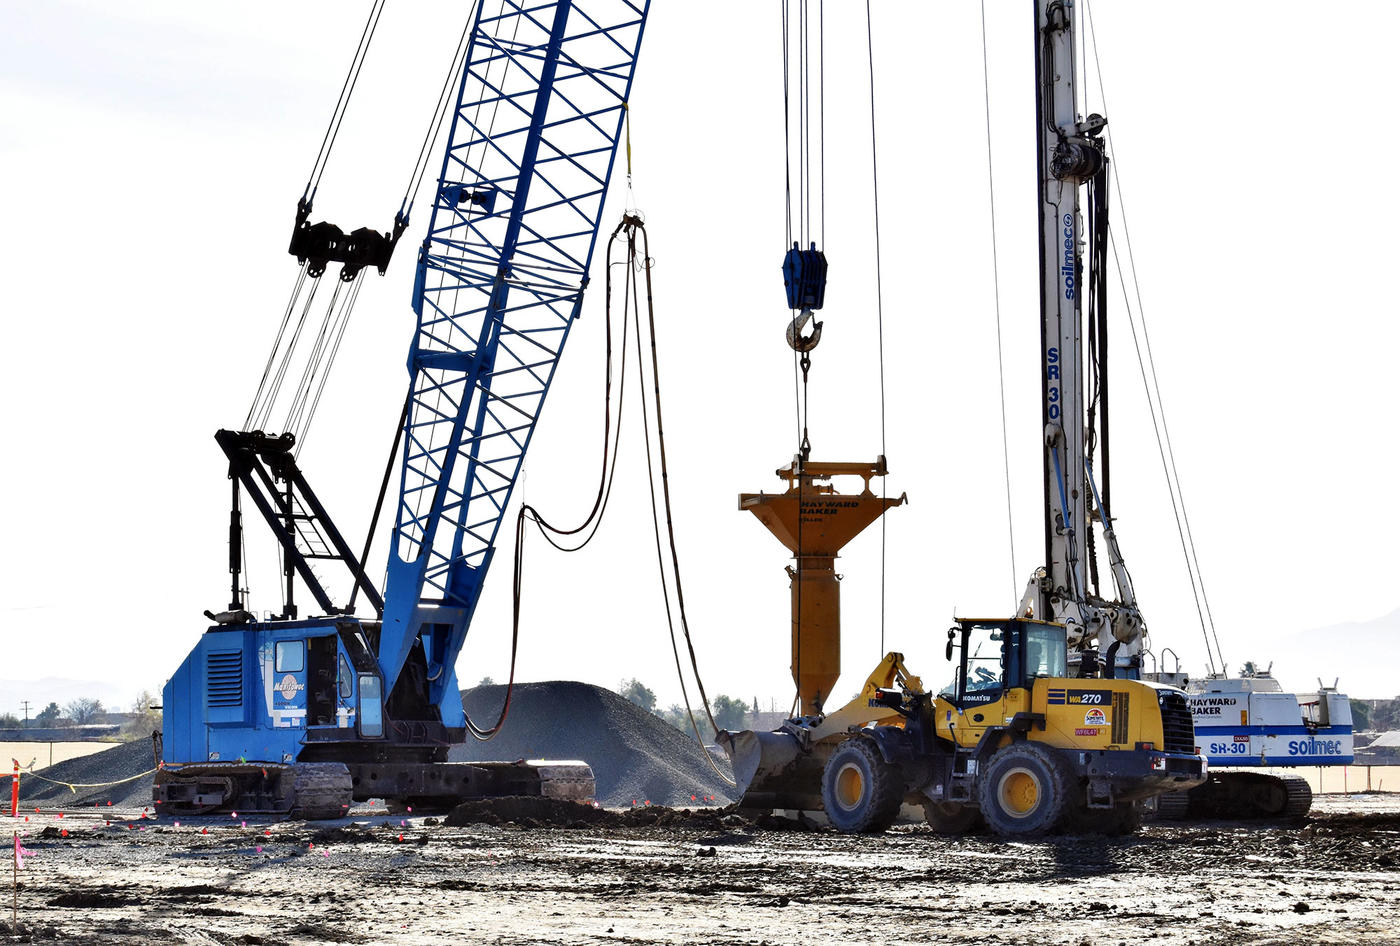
804	275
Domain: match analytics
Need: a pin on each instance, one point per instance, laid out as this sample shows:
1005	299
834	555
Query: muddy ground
376	878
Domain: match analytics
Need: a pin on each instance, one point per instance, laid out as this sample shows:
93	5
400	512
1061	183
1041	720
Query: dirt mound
636	757
117	764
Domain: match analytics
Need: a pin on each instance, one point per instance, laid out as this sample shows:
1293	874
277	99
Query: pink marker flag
21	853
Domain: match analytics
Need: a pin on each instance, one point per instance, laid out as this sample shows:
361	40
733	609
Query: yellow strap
627	115
74	786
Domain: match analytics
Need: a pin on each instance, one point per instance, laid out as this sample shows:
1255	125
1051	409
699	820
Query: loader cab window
1045	654
981	671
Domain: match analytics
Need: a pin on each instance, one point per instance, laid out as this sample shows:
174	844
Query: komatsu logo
1067	267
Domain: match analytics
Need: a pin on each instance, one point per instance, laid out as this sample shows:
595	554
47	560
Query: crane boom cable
821	113
379	499
348	310
996	298
276	344
787	207
264	415
1169	456
471	158
435	123
309	370
879	305
1162	454
347	89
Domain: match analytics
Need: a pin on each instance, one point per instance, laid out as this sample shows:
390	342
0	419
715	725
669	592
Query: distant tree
729	712
486	682
1360	715
48	716
145	720
640	694
84	710
1385	715
9	721
676	716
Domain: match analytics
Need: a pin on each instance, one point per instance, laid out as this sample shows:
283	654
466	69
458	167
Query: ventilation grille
225	677
1120	719
1178	733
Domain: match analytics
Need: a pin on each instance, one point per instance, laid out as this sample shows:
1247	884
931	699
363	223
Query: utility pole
25	705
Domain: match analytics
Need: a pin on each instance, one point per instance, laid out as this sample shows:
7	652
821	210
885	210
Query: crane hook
796	340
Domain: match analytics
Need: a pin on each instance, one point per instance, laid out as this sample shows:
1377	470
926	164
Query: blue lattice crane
306	714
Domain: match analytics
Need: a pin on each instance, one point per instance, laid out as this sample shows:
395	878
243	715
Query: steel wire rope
379	500
606	478
879	308
787	206
347	89
311	370
440	392
666	500
430	135
313	360
347	310
796	360
276	343
996	296
1169	456
804	127
275	391
439	389
1161	452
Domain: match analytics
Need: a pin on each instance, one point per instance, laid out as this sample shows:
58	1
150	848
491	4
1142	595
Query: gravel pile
122	761
636	757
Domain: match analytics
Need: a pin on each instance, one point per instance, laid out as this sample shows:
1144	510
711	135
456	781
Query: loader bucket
772	770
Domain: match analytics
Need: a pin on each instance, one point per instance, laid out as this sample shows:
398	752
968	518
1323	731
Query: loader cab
995	656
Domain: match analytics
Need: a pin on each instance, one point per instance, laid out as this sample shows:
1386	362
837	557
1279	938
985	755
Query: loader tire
1025	791
951	819
860	790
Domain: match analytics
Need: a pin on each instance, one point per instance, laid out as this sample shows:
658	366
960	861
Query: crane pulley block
804	275
320	244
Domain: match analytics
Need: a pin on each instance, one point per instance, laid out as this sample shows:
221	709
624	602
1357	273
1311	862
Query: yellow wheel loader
1013	741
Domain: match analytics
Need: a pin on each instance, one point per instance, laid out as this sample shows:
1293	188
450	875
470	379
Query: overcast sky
152	154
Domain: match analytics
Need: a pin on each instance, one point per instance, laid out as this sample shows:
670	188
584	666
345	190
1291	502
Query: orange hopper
815	522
